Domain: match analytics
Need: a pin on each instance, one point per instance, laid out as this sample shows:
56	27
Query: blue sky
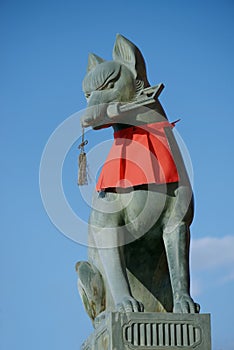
187	45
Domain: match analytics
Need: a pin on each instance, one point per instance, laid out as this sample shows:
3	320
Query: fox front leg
177	250
106	231
117	280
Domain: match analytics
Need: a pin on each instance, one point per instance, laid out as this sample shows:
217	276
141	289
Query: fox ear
93	61
127	53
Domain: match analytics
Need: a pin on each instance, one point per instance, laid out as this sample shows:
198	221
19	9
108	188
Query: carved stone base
146	331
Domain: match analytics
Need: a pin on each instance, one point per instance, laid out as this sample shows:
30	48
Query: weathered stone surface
125	331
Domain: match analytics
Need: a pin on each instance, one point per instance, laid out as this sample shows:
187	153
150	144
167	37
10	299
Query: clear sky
187	45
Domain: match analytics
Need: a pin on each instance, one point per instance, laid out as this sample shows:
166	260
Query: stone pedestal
145	331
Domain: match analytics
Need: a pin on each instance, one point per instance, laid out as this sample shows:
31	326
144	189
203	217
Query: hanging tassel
82	162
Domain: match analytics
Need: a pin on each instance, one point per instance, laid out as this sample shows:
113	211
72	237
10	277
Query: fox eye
87	95
110	85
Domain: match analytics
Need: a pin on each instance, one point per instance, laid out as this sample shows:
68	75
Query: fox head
119	80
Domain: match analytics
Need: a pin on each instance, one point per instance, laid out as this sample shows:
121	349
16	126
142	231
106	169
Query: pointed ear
127	53
93	61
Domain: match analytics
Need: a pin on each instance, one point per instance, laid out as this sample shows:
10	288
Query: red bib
140	155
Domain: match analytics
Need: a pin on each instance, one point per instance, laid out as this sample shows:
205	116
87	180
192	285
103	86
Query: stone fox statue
143	205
